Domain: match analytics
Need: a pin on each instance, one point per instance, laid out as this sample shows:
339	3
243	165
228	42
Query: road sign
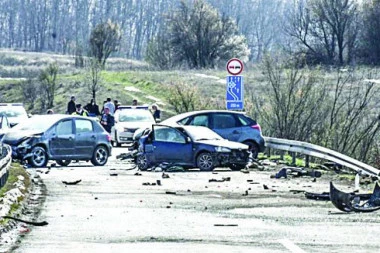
234	66
235	93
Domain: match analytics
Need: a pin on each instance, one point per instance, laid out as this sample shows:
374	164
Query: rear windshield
13	111
137	115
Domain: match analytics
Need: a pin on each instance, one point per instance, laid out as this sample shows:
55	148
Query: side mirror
188	139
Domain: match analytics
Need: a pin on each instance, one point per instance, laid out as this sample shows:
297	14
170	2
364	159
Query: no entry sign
234	66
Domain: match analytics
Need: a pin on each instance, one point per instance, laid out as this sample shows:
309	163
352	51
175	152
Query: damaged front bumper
348	202
233	157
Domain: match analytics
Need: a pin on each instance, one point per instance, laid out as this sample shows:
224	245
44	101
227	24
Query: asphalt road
187	213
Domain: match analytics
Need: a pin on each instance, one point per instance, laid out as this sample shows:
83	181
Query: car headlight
25	144
222	149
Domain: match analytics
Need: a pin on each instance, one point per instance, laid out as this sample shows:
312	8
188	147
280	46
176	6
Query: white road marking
291	246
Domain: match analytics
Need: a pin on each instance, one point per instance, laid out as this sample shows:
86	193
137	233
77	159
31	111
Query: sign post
235	87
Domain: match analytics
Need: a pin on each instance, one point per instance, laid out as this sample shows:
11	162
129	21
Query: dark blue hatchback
231	125
190	147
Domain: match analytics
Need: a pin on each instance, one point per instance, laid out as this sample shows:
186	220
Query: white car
127	121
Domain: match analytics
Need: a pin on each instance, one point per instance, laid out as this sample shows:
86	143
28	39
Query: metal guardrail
320	152
5	163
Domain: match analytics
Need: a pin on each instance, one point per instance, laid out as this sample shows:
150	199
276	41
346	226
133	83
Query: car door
85	137
62	139
226	125
170	145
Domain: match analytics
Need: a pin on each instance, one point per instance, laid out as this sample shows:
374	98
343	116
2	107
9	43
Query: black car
190	147
61	138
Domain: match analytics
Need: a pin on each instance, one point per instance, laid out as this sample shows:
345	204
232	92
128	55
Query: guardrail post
268	152
307	161
293	158
281	155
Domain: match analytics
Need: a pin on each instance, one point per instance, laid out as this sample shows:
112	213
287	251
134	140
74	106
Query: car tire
205	161
253	148
63	162
142	162
39	157
100	156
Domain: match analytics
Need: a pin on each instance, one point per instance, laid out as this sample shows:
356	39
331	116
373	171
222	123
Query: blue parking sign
235	93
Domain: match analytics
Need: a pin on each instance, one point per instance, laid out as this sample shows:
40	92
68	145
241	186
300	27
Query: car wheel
63	162
39	157
100	156
253	148
142	162
234	166
205	162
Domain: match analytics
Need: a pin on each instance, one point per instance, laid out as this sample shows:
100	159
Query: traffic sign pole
235	87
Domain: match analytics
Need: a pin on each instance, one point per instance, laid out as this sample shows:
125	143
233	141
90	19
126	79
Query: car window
83	126
168	135
135	115
64	127
199	120
13	111
224	120
245	121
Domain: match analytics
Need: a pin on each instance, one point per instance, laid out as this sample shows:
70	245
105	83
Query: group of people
107	119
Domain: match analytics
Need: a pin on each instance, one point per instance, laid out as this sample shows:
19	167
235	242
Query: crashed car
189	147
231	125
61	138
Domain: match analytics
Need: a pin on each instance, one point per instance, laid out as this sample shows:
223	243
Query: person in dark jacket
71	106
92	108
107	121
156	113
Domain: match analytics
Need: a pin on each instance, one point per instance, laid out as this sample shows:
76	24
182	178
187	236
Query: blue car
189	147
231	125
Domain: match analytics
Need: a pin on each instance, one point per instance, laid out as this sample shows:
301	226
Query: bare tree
94	77
104	40
322	27
48	79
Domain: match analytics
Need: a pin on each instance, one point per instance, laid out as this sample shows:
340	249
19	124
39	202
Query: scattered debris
73	182
224	179
165	175
169	192
225	225
113	174
42	223
138	174
296	172
318	196
158	182
348	202
265	187
245	194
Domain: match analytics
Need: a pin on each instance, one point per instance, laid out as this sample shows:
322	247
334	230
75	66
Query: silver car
127	121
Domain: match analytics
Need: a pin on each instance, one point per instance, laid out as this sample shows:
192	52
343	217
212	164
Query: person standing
110	106
80	111
107	121
71	106
92	108
156	113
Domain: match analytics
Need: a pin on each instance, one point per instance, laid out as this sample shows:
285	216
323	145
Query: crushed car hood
224	143
14	138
